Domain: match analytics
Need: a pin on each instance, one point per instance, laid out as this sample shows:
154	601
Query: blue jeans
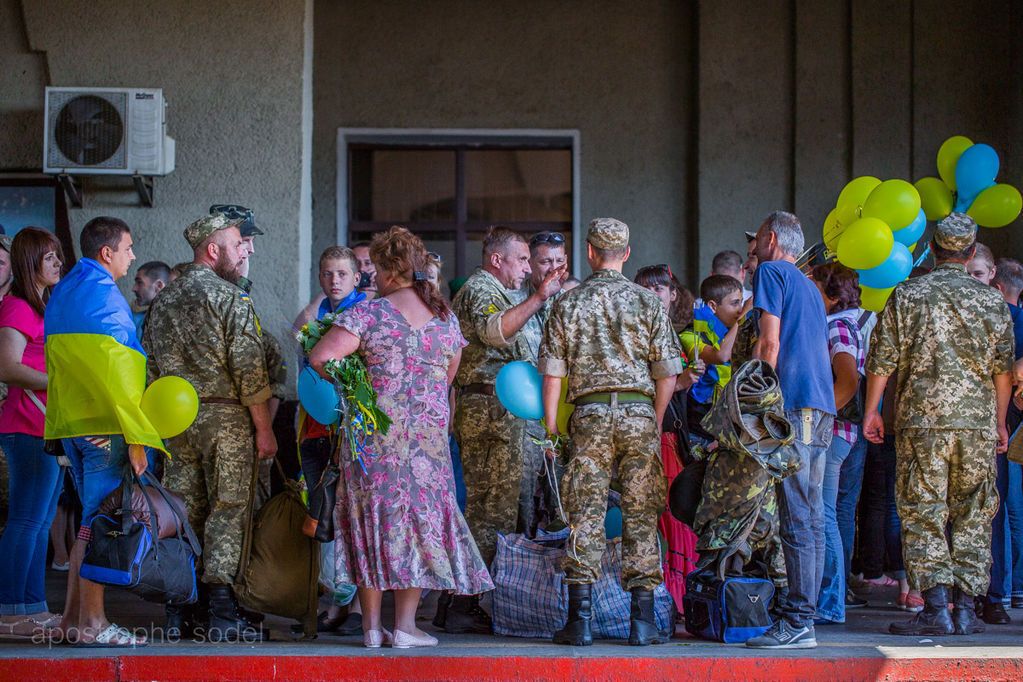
1005	531
97	471
1014	504
34	484
849	485
831	598
315	456
801	515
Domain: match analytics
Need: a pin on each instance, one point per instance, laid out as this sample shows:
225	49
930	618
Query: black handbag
124	552
319	523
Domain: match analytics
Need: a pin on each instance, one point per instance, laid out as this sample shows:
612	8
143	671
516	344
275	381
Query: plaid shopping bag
530	596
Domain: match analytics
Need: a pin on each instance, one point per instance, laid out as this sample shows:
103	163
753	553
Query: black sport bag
732	609
124	552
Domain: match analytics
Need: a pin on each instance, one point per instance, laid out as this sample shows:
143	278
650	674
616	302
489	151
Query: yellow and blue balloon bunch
874	229
967	184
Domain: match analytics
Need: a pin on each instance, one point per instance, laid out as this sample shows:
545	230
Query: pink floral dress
398	523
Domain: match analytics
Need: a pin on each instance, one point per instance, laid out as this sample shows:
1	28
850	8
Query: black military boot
441	617
642	623
964	615
178	624
226	622
933	620
577	630
464	614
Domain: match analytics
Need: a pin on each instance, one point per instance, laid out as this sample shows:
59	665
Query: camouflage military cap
956	232
608	233
201	229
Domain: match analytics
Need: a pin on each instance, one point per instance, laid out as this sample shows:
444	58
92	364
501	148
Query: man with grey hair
794	340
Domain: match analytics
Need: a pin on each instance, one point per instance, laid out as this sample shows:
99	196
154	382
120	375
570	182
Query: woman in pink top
34	475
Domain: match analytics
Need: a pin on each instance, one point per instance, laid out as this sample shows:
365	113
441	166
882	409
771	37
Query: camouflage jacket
276	365
947	335
532	331
609	335
202	328
479	305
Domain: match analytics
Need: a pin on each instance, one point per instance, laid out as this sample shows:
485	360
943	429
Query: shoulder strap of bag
182	517
130	479
35	400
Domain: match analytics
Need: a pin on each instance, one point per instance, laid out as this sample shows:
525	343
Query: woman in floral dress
399	527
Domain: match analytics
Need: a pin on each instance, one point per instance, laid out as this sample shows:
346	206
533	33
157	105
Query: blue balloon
613	523
318	396
892	271
976	170
911	233
518	387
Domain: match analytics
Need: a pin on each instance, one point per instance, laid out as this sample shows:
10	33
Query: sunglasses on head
547	238
232	211
663	267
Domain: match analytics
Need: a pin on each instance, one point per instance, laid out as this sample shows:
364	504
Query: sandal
29	629
114	636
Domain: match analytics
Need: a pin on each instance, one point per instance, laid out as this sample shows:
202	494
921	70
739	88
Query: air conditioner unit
106	131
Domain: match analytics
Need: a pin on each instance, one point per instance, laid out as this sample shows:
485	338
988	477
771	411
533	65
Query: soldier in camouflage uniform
276	366
500	462
950	339
202	328
614	342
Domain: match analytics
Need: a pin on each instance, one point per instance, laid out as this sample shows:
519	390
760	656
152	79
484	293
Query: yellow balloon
874	299
895	202
948	156
171	405
912	248
935	197
997	206
865	244
565	408
832	230
857	190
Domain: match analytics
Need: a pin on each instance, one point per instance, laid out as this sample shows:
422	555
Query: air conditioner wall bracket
74	195
144	185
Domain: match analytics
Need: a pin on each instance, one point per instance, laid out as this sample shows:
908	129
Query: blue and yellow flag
95	366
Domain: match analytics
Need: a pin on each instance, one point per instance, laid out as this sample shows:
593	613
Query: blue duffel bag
732	609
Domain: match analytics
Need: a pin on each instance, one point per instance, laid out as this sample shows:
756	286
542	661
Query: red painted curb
465	669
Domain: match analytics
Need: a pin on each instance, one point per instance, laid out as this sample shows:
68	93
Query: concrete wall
617	72
231	72
797	97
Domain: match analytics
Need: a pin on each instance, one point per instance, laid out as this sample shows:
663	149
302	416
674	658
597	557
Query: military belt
613	398
478	389
220	401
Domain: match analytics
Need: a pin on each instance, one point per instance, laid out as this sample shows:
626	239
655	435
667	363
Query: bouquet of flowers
357	399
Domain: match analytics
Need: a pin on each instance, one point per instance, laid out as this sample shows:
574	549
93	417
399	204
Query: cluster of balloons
520	389
171	405
967	184
873	229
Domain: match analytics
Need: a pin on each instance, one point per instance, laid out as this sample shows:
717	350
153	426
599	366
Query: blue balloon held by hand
518	387
976	170
318	396
892	271
910	234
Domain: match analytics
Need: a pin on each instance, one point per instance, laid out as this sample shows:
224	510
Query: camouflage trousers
212	466
739	501
501	467
618	443
946	477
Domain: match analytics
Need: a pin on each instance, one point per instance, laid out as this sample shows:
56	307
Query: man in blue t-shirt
793	339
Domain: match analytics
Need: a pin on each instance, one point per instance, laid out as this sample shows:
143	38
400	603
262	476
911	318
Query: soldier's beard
226	269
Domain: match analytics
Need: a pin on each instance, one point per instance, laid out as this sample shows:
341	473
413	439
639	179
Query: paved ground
864	635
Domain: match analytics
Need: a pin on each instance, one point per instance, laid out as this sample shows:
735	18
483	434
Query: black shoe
443	602
785	635
226	622
1017	602
465	615
964	615
642	622
577	631
933	620
854	602
352	625
181	623
994	614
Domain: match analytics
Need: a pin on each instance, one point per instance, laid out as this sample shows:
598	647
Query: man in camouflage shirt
614	342
499	460
950	339
276	366
203	329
